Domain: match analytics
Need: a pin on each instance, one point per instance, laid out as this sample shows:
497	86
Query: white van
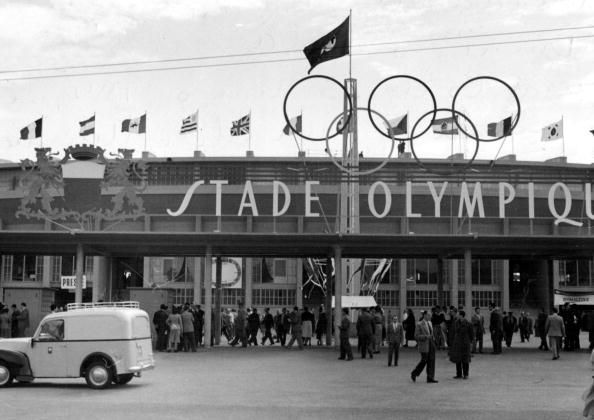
102	342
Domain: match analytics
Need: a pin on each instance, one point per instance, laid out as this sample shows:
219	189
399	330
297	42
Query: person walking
409	325
253	321
496	329
4	323
240	323
267	322
378	320
188	329
23	320
460	351
295	321
394	335
14	321
539	329
525	326
366	329
555	329
280	322
307	322
478	329
510	326
346	352
437	320
426	347
161	327
321	326
174	321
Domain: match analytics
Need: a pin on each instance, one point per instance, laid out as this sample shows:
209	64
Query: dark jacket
462	340
365	324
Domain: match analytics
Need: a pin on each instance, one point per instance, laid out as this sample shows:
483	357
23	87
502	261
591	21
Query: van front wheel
98	376
5	375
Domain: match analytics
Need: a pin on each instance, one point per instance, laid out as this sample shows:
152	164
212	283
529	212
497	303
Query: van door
49	351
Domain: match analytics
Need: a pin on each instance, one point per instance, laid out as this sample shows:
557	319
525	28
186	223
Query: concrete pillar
197	275
545	286
402	283
80	260
100	279
47	272
207	295
440	268
338	278
505	285
299	285
468	281
555	275
328	301
453	267
248	282
217	310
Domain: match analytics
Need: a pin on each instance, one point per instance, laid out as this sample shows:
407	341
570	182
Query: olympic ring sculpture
370	112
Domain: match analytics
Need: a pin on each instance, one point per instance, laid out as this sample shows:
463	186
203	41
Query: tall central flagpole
250	133
41	137
563	135
145	118
350	43
197	128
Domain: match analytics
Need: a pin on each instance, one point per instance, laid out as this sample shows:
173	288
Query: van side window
52	330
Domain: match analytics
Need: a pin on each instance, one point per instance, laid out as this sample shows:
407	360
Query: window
24	268
482	272
280	268
52	330
422	271
275	271
387	297
575	272
274	297
483	298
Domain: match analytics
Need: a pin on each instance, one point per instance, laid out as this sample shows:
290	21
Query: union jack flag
241	126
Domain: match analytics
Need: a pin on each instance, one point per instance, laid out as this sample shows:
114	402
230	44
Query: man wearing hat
161	327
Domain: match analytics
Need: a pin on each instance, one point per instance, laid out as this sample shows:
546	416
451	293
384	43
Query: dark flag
592	131
333	45
33	130
135	125
398	125
296	122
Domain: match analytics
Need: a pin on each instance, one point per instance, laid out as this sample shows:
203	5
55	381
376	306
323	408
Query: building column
468	281
207	295
248	282
328	302
338	278
440	280
197	276
80	260
402	284
545	290
100	278
299	284
217	310
505	285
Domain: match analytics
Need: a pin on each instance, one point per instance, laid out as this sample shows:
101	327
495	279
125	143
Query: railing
93	305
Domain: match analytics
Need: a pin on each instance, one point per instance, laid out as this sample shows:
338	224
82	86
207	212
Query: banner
579	298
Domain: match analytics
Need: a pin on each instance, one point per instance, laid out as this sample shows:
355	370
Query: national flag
445	126
592	132
87	126
190	123
333	45
241	126
296	122
135	125
553	131
500	128
398	125
33	130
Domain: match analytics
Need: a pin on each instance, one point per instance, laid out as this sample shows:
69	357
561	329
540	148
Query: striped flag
241	126
190	123
500	128
87	127
33	130
135	125
296	122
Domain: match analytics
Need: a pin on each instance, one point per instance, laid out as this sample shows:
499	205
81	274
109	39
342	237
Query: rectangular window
6	268
387	297
280	268
24	268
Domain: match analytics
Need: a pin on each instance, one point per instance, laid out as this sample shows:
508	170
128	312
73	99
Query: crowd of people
14	321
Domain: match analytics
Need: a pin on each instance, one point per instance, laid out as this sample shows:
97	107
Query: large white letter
371	203
561	218
531	200
186	199
275	210
502	200
588	199
309	199
219	192
477	198
437	198
248	191
409	212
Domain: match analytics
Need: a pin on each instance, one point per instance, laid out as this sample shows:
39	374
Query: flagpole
350	43
41	137
145	118
95	126
250	133
197	127
563	135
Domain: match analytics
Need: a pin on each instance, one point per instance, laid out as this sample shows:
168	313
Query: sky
47	44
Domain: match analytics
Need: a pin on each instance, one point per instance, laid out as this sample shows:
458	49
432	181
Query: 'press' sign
69	282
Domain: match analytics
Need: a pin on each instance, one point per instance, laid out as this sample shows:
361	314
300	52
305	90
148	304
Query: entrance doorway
528	284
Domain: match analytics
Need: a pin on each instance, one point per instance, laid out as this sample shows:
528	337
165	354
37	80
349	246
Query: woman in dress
409	325
175	325
307	319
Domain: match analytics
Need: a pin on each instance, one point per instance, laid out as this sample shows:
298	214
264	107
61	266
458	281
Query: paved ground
273	383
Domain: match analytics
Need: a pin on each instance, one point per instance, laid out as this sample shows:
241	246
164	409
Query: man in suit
496	329
23	320
394	336
345	345
295	320
426	346
366	329
240	326
160	322
555	329
478	328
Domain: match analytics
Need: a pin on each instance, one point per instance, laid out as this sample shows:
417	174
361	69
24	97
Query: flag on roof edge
398	125
552	131
33	130
500	128
87	126
445	126
296	122
135	125
190	123
334	44
241	126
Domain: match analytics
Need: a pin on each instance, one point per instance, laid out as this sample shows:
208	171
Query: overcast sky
553	79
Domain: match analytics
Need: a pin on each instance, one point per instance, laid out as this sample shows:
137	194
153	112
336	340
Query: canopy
357	302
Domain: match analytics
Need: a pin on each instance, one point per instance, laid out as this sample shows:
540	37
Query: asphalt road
274	383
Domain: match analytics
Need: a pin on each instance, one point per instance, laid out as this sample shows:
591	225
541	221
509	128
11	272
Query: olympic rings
396	77
514	123
357	172
454	171
338	130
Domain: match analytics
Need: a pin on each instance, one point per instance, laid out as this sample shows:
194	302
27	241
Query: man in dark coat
295	321
525	325
253	321
460	351
366	329
161	327
14	321
496	329
267	322
346	353
281	325
478	328
198	323
240	326
539	330
510	325
394	335
321	325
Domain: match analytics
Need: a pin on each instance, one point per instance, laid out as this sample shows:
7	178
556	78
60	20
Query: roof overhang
293	245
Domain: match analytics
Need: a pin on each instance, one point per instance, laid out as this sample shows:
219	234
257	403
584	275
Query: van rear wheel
123	379
6	376
98	375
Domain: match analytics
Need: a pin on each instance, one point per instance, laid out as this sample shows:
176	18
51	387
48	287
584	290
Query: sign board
357	302
69	282
577	298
